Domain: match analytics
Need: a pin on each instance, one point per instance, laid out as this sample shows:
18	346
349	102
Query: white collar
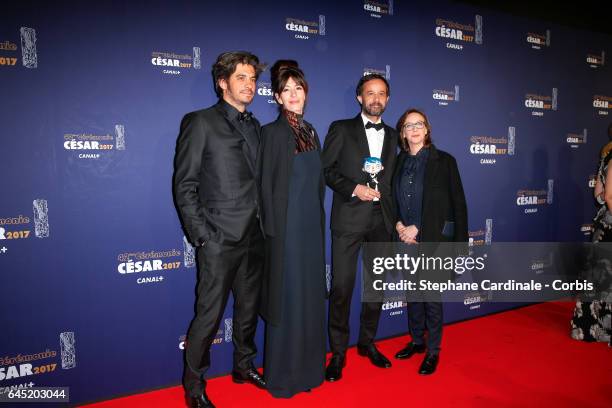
366	120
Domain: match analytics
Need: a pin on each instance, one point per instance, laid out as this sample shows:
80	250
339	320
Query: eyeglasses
413	126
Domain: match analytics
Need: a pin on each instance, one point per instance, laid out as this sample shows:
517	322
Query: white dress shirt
376	138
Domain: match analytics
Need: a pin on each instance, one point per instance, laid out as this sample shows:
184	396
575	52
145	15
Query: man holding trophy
373	166
356	153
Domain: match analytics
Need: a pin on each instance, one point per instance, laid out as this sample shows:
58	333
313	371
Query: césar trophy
372	166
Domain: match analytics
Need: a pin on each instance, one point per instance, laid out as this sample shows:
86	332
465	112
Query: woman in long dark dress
293	298
592	320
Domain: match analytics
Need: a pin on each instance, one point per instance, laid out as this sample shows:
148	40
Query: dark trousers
345	251
428	315
223	267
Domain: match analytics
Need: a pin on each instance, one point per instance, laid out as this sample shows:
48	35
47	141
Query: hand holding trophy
372	166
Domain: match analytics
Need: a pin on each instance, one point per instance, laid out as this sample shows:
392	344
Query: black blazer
215	173
346	145
277	154
444	213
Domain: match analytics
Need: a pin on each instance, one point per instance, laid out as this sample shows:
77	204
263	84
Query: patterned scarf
304	135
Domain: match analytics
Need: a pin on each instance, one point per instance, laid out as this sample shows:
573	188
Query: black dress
592	320
295	348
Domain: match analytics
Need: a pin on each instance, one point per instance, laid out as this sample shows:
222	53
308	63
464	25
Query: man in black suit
217	197
361	212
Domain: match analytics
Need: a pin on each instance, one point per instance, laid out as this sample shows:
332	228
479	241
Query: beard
246	96
374	109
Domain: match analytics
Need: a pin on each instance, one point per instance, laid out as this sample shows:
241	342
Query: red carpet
519	358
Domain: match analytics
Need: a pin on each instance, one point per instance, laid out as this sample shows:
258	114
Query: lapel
388	152
255	144
397	169
257	127
316	138
360	137
431	169
249	149
400	163
287	132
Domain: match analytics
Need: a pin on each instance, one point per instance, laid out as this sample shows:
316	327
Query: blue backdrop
97	282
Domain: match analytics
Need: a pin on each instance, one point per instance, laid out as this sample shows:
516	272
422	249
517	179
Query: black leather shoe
333	372
250	376
410	350
429	364
201	402
375	356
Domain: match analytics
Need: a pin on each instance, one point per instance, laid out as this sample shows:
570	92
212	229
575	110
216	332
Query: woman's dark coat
444	214
278	151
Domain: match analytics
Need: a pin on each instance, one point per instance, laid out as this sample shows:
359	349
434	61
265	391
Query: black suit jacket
444	213
278	152
215	176
346	145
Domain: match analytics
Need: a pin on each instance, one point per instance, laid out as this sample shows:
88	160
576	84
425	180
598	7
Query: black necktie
377	126
245	116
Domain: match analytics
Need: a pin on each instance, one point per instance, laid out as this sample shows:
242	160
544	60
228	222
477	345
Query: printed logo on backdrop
587	229
531	200
91	146
444	97
537	40
223	334
596	60
22	226
386	72
603	104
537	103
574	140
42	364
264	89
9	54
151	266
458	34
474	300
171	63
378	9
395	308
483	236
540	265
305	29
189	255
592	181
491	148
229	329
